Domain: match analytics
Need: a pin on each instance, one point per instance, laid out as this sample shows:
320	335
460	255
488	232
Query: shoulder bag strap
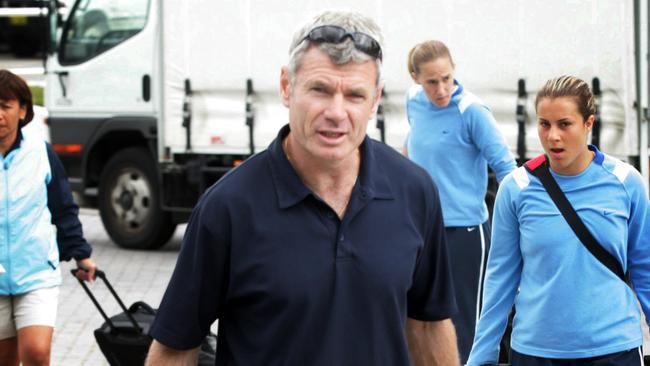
540	170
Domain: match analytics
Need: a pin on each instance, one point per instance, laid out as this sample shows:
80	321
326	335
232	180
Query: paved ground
136	275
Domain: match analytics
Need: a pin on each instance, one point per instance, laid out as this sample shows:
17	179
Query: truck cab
103	119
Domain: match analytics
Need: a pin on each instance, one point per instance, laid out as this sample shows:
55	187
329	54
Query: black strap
542	172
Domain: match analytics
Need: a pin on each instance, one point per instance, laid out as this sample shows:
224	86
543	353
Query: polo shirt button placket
342	249
343	244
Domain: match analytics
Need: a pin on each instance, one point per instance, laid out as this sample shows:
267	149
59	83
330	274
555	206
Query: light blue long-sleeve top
455	144
569	305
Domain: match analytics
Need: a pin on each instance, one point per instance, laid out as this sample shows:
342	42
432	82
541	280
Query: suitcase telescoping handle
102	275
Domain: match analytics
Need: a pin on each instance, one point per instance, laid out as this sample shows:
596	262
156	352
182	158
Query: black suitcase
124	338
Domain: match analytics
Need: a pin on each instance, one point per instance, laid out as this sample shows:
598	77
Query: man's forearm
159	354
432	343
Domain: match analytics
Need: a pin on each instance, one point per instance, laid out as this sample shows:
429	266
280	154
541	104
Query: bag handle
539	168
142	305
102	275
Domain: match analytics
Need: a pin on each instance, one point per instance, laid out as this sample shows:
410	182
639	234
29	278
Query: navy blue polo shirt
291	284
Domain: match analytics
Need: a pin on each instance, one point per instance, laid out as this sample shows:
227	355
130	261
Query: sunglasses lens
336	34
329	34
367	44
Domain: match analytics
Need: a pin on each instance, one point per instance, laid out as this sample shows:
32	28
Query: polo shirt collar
288	186
373	179
372	182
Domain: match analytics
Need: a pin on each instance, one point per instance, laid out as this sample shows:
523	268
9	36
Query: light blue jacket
29	241
455	144
569	305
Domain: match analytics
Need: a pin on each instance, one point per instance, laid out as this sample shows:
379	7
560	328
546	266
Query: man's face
10	114
437	80
329	106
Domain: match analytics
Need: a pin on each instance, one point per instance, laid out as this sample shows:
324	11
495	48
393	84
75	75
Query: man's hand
161	355
87	269
432	342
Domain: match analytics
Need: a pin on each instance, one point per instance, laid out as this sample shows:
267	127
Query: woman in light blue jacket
39	226
571	309
455	137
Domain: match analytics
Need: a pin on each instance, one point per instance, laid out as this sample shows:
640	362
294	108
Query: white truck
152	101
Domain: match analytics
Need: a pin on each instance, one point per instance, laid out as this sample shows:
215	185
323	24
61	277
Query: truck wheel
129	201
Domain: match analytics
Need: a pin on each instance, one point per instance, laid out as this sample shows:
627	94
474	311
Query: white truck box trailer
151	101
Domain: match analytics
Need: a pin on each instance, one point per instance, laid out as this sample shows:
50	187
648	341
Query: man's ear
285	86
414	77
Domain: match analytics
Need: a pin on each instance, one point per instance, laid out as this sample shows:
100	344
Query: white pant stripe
480	275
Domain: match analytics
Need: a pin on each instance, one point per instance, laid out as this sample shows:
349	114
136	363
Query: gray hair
341	53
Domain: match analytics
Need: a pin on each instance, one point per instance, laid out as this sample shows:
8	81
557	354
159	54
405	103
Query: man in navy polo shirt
328	248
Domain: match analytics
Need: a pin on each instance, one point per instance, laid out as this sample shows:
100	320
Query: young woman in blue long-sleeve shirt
455	137
571	309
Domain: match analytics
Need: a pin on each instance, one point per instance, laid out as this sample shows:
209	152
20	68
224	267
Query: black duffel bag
124	338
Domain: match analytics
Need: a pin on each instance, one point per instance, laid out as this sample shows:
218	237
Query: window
99	25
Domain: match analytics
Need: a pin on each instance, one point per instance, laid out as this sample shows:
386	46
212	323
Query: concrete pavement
135	275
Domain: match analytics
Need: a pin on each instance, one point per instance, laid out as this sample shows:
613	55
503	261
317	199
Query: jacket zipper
5	166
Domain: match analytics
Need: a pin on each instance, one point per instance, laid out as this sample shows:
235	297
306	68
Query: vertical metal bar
381	120
644	134
595	132
44	20
641	117
250	114
520	112
159	79
187	115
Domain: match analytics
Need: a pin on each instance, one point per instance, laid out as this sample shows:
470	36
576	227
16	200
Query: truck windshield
95	26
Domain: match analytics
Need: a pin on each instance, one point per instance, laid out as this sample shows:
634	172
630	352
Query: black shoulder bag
539	168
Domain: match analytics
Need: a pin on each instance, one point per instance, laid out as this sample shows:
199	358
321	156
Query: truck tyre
129	201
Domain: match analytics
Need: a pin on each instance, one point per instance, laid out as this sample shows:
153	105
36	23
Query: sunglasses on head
335	34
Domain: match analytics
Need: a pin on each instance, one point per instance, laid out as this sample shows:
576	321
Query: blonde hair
426	51
569	86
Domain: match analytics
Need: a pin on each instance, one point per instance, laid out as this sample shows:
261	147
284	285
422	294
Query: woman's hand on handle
87	269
